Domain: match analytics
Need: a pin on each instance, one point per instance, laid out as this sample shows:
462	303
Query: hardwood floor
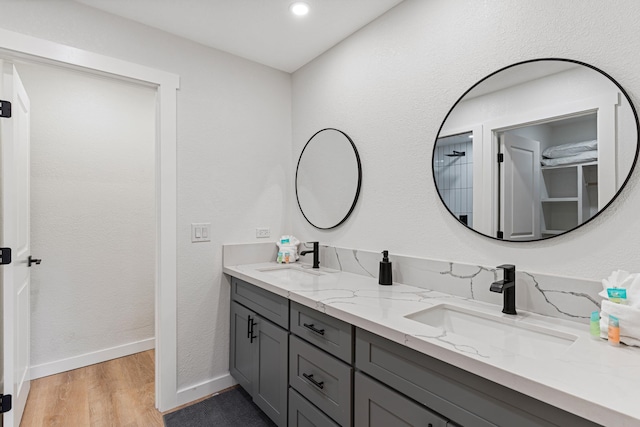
116	393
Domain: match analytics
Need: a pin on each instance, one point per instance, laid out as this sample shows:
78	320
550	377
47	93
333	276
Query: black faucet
315	252
507	287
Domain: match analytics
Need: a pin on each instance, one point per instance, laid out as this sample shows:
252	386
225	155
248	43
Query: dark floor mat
233	408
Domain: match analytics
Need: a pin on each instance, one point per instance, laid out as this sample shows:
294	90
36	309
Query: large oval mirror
328	178
535	149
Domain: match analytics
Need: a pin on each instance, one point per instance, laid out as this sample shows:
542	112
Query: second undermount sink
506	333
291	272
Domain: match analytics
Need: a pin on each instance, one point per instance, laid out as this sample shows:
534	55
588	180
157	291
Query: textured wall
92	212
390	85
234	163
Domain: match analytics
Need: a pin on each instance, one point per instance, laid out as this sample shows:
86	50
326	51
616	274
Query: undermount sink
508	334
291	272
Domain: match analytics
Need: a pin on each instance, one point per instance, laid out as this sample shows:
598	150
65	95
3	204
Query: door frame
18	46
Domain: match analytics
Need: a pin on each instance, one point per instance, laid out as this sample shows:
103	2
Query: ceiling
263	31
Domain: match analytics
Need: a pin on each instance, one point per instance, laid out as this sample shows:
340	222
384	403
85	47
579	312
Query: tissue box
629	321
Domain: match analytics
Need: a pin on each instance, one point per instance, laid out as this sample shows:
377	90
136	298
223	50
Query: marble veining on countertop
590	378
550	295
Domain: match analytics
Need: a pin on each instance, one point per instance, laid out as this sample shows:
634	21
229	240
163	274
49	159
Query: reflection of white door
14	144
520	188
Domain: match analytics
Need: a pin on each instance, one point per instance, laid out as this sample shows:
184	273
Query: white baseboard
205	388
51	368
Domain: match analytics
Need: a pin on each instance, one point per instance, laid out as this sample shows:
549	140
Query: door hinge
5	403
500	235
5	256
5	109
500	157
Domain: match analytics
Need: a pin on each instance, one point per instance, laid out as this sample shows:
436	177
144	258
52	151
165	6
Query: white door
14	188
520	188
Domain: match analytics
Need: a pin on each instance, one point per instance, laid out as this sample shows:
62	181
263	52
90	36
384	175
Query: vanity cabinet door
271	373
241	354
376	405
258	358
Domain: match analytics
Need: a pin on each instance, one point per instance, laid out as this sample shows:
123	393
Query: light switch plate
263	232
201	232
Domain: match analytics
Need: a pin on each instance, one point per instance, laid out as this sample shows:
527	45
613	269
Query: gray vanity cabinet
258	356
370	381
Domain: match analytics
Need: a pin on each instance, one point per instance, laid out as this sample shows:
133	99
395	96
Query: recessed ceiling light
299	8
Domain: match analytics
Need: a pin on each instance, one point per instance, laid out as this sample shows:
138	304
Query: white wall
390	85
234	163
92	212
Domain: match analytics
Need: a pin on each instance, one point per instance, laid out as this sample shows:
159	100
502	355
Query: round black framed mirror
536	149
328	178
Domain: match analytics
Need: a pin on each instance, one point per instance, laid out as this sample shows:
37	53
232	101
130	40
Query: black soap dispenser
385	270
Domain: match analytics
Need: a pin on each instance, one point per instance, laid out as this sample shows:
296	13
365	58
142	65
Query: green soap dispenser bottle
385	270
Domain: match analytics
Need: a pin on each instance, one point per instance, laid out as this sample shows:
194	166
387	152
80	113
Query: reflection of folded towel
585	156
626	280
566	150
629	322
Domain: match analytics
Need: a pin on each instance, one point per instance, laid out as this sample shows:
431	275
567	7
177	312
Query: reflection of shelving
569	196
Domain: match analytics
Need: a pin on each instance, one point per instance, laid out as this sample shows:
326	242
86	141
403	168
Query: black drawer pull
310	326
249	322
320	384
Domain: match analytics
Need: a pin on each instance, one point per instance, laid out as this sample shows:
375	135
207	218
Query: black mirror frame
633	165
355	198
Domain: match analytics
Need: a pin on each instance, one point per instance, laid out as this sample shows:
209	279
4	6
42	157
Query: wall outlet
263	233
201	232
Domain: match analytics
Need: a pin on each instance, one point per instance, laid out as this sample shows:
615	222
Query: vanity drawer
304	414
456	394
324	380
330	334
376	405
265	303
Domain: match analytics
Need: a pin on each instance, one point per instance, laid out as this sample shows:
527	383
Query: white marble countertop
590	378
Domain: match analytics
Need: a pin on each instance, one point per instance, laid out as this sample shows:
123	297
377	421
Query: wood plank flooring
116	393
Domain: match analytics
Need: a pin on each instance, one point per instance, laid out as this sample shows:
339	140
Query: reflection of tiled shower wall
454	178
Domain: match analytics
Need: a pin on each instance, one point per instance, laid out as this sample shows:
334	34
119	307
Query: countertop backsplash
556	296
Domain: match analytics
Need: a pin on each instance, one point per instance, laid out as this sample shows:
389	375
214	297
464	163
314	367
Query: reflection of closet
569	192
569	196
